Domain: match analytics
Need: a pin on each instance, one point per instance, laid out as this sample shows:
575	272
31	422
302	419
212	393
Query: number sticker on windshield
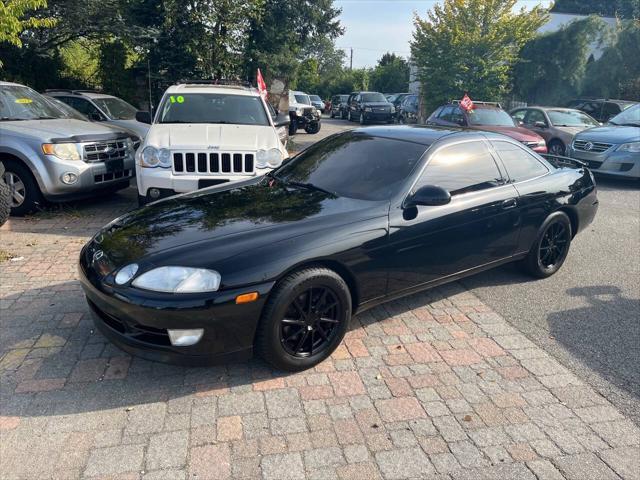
23	100
178	99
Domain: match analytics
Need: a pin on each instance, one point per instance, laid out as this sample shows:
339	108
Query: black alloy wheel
310	322
551	248
304	320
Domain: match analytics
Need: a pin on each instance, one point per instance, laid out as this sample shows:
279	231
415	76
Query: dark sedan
279	264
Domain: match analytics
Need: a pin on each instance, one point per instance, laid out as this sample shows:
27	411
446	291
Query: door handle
510	203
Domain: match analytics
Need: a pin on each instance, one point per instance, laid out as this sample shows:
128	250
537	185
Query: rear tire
25	193
550	250
556	147
308	309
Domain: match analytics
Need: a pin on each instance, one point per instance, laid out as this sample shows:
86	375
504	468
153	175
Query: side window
435	114
86	108
610	110
462	168
457	116
519	115
535	116
521	165
445	114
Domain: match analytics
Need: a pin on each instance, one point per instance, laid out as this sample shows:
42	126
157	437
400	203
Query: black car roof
422	134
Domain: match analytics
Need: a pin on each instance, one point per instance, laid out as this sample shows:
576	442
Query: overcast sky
374	27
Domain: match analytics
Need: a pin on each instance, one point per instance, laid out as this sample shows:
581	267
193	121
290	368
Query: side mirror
431	195
540	124
143	117
281	120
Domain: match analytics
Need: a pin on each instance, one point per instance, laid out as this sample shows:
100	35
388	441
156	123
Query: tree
616	74
15	18
552	66
471	45
606	8
391	74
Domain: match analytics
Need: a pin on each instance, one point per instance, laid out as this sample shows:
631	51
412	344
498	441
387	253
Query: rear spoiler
559	161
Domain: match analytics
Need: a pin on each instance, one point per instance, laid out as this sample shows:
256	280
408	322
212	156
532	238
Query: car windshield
631	116
66	110
18	102
116	108
570	118
213	108
354	165
373	97
490	116
315	98
304	99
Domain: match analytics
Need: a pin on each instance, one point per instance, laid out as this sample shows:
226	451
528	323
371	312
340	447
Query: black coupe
280	263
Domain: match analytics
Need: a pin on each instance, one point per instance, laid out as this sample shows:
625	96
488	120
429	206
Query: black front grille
108	177
213	163
103	151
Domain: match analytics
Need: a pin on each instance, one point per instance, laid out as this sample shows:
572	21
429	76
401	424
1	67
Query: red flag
262	87
466	103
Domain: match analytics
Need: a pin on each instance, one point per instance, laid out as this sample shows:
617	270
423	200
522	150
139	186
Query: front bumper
610	162
165	180
92	177
137	321
378	116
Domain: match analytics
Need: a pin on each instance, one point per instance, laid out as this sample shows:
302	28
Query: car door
479	227
526	172
536	121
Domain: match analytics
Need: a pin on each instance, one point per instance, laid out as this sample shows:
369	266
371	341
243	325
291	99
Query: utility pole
149	77
351	61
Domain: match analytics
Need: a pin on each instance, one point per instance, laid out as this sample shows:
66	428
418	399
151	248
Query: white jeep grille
218	163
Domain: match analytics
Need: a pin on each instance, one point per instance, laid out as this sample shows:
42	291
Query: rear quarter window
521	165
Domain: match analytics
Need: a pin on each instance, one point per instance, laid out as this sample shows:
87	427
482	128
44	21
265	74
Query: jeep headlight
179	280
633	147
63	151
164	156
271	158
299	112
150	157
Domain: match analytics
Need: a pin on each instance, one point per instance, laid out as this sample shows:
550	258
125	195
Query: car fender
29	157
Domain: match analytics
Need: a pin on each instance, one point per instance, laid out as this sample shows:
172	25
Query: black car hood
226	222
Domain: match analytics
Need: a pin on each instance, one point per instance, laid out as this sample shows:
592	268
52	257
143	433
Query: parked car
317	102
207	134
302	113
66	110
99	107
489	117
396	99
599	108
5	198
556	125
367	107
613	149
50	157
409	110
280	264
339	106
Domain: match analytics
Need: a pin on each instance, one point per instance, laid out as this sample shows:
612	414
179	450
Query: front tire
25	193
551	247
312	128
293	128
304	320
556	147
5	198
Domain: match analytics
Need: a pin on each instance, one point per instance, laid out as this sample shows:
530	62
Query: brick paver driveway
432	386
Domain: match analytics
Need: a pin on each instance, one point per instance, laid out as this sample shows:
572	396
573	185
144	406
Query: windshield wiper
309	186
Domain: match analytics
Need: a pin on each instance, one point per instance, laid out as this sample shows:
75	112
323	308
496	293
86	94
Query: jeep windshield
220	108
304	99
490	116
21	103
116	108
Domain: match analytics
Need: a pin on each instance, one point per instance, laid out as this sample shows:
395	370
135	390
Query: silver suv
49	157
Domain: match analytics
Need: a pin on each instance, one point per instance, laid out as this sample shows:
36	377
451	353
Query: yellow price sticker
178	99
24	100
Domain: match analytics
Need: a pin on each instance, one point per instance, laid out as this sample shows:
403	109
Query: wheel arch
345	273
573	218
6	155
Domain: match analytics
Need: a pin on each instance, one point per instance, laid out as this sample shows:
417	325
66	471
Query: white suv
207	134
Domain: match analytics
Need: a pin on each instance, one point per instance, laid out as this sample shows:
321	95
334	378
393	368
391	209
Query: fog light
184	338
154	193
69	178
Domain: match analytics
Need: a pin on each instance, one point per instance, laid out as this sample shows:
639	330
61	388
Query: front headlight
542	143
164	156
150	157
282	133
367	109
633	147
268	158
299	112
179	280
63	151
